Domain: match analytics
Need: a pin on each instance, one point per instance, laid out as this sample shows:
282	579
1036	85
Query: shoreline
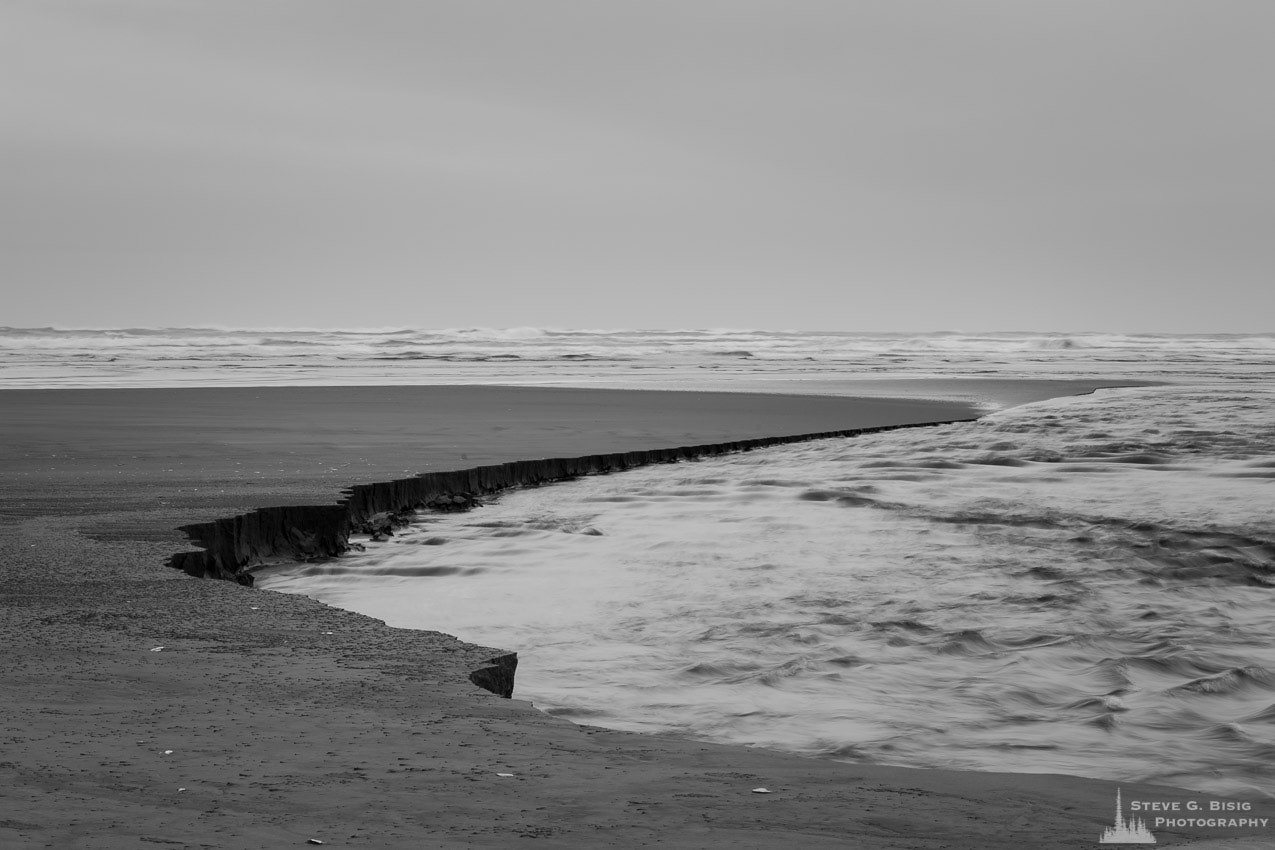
231	546
290	720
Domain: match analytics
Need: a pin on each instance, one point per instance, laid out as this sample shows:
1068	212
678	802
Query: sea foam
670	359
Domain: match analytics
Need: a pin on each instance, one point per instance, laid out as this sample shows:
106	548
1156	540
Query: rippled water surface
1085	585
776	361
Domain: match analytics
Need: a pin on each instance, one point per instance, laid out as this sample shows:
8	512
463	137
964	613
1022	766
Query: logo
1131	831
1178	814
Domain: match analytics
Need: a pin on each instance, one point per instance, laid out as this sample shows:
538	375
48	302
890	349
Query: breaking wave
673	359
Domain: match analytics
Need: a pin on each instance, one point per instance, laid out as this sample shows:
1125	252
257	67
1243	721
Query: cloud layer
869	165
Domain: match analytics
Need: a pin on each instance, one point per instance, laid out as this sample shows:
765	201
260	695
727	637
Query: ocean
668	359
1082	585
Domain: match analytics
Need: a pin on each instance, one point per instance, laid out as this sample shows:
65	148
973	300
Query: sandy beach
143	706
859	417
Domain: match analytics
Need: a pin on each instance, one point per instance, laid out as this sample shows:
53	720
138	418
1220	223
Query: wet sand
141	706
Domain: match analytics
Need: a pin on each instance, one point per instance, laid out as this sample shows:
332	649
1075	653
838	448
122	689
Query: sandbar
142	706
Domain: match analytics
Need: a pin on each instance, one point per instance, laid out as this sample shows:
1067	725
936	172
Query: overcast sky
841	165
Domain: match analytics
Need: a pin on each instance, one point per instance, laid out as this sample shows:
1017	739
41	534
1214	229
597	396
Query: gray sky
841	165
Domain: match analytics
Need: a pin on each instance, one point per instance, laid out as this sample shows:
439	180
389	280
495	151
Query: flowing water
1084	585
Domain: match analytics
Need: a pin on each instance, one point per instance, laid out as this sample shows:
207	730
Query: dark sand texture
289	720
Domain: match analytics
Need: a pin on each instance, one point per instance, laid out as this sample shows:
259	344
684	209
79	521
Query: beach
611	425
145	706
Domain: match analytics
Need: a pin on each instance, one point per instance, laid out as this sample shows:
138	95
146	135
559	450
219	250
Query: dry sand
142	707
